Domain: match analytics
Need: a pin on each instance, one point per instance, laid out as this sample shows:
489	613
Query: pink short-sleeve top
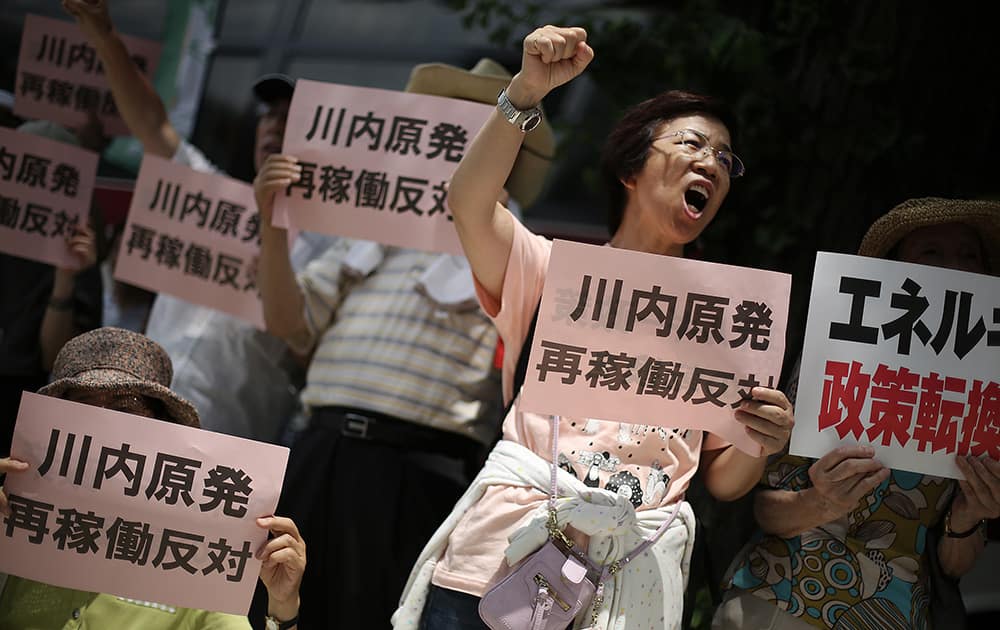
650	465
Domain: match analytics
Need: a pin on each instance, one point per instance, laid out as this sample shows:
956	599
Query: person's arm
284	313
730	473
283	563
839	480
978	499
8	465
58	323
551	57
138	103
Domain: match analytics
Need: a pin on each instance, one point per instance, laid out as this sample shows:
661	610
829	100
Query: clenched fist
552	56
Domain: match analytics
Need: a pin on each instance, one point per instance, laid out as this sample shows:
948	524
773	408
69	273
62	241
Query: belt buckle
355	426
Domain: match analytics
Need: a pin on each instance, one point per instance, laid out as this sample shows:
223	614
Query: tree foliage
836	102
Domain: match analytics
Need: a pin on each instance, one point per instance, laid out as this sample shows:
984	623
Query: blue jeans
451	610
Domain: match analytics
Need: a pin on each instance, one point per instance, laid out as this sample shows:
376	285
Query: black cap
272	87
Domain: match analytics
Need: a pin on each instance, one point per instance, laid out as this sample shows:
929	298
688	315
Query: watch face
531	122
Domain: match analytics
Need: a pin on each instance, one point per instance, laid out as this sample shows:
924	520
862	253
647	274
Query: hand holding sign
980	495
283	563
82	246
552	56
841	477
278	172
92	15
768	418
8	465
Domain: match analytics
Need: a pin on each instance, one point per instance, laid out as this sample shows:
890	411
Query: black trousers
365	509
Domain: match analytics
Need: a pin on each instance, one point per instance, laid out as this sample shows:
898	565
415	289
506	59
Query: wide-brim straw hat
482	84
981	215
119	361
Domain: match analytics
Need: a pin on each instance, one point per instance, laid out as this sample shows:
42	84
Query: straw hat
892	227
482	84
119	361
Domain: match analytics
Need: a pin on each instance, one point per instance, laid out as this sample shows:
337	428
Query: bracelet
953	534
61	304
273	624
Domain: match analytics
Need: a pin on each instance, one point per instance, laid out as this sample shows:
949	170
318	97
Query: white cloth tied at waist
647	593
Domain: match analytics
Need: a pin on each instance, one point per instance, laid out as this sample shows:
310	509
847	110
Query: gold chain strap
595	609
552	525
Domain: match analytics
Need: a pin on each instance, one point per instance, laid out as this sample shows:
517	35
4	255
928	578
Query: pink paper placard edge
35	27
51	250
155	277
383	226
92	572
676	276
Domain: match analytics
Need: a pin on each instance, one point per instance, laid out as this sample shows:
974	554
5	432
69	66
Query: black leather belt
362	424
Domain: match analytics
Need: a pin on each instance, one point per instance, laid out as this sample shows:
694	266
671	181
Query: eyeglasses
695	143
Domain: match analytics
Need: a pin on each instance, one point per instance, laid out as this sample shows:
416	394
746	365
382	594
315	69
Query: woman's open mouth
695	200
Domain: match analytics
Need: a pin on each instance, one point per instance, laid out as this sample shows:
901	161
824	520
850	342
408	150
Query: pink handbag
553	585
548	590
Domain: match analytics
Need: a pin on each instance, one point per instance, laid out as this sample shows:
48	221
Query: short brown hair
627	146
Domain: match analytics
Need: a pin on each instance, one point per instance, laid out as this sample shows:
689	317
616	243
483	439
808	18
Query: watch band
274	624
523	119
953	534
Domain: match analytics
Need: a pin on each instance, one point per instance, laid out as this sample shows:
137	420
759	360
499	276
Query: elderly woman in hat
845	574
124	371
668	165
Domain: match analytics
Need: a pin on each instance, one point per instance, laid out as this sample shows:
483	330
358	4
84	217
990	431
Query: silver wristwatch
525	120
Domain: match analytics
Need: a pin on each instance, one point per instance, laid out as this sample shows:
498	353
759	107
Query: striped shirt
382	345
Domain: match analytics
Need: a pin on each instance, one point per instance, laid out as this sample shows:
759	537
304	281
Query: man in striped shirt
402	387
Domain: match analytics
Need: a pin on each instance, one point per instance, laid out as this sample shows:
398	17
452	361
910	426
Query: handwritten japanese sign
135	507
375	163
60	77
195	236
654	340
903	357
45	191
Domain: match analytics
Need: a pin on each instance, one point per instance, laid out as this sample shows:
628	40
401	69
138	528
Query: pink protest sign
60	78
901	357
654	340
375	163
135	507
45	191
195	236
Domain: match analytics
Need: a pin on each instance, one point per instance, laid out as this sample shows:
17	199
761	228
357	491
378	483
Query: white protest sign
903	357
